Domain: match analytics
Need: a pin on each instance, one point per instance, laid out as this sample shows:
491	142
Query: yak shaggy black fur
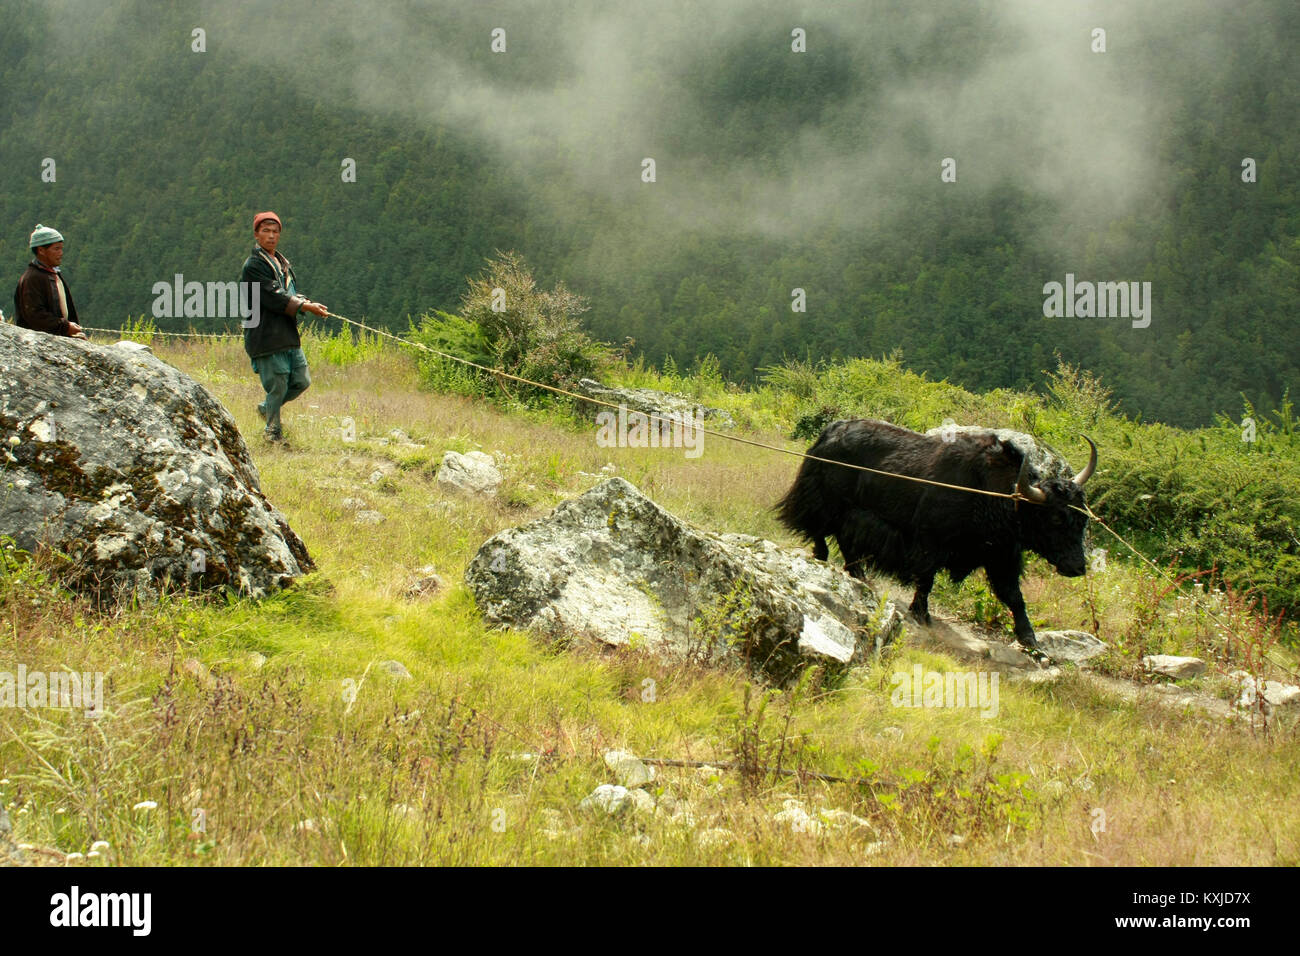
912	530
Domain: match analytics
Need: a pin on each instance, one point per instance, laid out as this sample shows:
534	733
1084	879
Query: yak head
1052	523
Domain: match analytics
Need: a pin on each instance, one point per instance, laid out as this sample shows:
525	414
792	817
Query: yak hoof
1029	642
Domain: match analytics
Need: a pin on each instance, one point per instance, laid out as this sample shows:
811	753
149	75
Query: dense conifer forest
775	171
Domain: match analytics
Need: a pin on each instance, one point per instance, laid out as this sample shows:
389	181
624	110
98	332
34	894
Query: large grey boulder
134	471
649	401
614	566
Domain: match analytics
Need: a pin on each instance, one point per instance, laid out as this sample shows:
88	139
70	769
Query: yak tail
803	508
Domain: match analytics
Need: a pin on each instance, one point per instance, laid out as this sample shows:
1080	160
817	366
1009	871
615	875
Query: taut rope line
500	373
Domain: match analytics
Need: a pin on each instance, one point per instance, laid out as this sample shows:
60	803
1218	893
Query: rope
1199	599
499	373
126	333
1014	496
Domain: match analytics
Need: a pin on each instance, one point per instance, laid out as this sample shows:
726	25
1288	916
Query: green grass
239	753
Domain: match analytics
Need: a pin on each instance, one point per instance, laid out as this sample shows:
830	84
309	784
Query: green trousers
284	377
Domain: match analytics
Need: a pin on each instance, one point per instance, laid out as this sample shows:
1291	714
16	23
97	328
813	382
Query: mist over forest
774	170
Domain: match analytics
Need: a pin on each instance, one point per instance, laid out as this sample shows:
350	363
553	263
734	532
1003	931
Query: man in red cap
272	342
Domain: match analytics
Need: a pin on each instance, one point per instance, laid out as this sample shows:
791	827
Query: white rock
843	819
715	836
1077	646
629	770
607	797
797	818
683	814
555	825
1275	693
474	474
1179	668
394	669
1281	695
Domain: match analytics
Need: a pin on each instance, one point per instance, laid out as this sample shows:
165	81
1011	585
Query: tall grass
271	732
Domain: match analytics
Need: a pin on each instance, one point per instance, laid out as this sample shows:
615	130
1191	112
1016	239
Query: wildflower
15	440
74	856
98	845
146	805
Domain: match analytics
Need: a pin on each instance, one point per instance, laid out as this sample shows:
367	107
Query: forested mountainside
1167	158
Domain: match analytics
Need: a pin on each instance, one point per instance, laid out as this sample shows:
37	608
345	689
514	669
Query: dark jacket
36	301
278	328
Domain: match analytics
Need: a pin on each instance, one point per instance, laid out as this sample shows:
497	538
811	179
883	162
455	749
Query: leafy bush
343	347
140	330
508	323
455	336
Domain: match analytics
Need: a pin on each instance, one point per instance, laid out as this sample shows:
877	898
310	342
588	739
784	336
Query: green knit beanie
44	236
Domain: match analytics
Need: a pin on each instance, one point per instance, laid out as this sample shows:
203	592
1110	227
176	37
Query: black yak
913	530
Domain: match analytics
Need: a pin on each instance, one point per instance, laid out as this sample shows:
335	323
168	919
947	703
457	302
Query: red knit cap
263	216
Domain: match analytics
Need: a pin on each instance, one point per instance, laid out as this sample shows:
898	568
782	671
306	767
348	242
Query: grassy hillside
270	733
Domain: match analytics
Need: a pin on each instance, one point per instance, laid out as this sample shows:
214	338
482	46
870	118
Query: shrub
343	347
455	336
520	329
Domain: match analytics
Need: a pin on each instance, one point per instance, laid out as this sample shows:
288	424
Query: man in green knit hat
272	341
42	300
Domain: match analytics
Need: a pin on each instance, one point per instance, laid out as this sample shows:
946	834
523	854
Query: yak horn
1084	475
1024	487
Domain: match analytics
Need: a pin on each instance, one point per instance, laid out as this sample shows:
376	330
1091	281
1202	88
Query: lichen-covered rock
134	471
648	401
1071	645
474	473
613	565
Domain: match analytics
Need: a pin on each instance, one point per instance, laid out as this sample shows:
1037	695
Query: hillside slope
276	733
